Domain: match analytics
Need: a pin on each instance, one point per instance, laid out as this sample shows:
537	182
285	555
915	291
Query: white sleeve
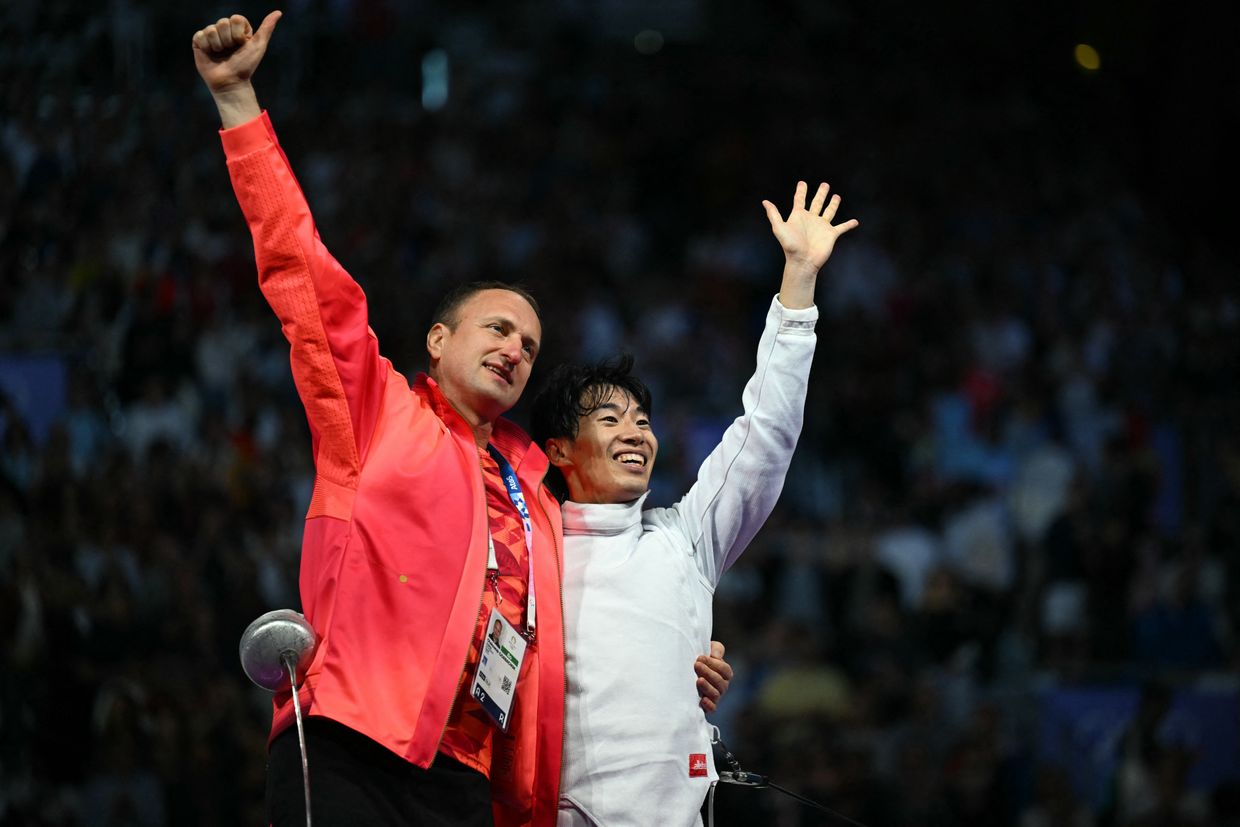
739	483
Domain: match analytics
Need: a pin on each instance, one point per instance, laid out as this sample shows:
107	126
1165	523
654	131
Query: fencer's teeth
626	458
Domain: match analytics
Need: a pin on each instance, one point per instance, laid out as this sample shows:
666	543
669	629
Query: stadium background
1001	585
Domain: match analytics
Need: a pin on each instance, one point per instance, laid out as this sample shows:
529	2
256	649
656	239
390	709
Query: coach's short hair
447	312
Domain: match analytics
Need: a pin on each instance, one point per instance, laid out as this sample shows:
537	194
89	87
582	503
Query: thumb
716	649
850	224
265	29
772	215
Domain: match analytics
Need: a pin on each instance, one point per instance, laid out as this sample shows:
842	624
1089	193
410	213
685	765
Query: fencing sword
275	649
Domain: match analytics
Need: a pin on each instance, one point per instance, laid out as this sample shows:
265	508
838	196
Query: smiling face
483	361
610	459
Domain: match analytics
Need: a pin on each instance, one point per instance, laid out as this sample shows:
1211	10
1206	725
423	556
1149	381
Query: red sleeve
322	310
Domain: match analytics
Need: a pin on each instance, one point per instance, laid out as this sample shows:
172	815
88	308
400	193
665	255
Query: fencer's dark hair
574	390
447	312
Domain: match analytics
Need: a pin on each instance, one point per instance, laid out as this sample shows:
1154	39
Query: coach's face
483	361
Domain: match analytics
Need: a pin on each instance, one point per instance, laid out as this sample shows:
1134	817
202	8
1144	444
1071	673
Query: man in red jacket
428	525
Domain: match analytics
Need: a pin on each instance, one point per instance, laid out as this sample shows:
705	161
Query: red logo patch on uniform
697	765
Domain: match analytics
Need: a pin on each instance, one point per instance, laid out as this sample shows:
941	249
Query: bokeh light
1087	57
648	41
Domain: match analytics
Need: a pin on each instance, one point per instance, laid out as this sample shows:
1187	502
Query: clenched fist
228	51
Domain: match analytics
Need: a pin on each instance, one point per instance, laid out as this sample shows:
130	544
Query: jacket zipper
461	680
559	564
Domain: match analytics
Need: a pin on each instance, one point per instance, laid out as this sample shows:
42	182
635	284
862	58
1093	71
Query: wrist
796	289
800	268
231	90
236	103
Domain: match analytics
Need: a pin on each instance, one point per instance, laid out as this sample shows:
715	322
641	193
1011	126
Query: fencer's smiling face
611	458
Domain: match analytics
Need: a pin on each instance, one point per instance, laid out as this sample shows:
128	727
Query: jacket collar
527	459
607	518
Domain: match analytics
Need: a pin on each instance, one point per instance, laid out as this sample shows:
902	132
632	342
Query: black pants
356	781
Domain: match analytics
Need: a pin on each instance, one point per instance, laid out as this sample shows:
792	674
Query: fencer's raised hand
808	237
227	52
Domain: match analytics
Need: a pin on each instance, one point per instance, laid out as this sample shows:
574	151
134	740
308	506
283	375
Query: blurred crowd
1019	474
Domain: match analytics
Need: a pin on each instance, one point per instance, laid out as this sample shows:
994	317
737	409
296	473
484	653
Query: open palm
808	236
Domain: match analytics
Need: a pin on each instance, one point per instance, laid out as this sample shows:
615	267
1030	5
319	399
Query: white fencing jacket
638	587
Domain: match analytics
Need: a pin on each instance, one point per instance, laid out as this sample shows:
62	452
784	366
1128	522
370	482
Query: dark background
1001	584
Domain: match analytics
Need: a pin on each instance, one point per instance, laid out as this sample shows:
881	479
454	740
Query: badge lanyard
513	487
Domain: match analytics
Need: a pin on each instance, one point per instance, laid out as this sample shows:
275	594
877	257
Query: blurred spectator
1178	630
1055	803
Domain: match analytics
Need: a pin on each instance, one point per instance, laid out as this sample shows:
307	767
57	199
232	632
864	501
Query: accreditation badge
499	664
